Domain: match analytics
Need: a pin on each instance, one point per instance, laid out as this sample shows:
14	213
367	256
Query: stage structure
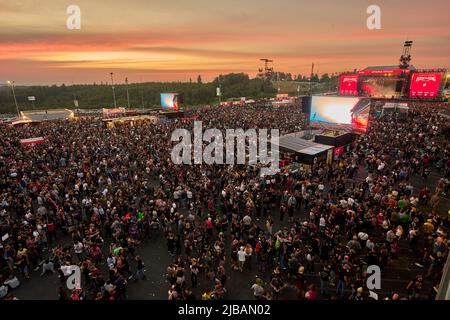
394	82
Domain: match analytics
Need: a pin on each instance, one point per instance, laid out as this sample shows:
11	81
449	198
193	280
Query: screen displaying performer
170	101
340	113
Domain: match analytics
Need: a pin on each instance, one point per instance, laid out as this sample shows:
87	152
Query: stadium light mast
405	60
267	72
220	90
310	78
128	95
11	84
114	93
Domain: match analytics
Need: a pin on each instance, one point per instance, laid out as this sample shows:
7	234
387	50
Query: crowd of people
91	196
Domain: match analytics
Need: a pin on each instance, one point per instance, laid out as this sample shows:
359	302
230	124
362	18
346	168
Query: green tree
315	78
325	78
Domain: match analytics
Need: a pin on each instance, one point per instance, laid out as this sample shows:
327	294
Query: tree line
142	95
147	95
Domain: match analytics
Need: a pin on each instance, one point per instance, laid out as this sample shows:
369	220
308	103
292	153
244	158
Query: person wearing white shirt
78	249
12	282
3	290
322	223
108	286
370	244
247	220
111	262
47	266
258	291
350	201
241	258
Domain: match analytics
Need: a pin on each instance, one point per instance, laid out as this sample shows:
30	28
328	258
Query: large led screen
169	101
348	85
340	113
425	85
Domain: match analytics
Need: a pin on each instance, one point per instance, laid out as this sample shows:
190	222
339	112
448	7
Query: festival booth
171	114
35	117
113	112
335	138
48	115
22	122
115	122
304	151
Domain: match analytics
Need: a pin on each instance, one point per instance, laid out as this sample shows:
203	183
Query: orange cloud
182	40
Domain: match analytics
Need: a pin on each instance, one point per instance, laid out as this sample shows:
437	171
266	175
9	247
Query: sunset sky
171	40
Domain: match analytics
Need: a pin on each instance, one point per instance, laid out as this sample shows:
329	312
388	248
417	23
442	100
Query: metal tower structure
267	71
405	58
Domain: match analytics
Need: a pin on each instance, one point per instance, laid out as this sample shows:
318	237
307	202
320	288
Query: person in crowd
258	289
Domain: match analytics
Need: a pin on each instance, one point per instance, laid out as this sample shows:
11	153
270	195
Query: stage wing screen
425	85
348	85
340	113
169	101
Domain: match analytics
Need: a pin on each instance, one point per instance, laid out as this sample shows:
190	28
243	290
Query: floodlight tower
267	72
11	84
114	93
310	78
405	60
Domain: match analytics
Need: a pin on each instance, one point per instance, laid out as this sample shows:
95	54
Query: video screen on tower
170	101
340	113
425	85
348	85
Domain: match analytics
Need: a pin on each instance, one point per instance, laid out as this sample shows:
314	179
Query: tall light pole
11	84
114	93
219	90
128	96
142	92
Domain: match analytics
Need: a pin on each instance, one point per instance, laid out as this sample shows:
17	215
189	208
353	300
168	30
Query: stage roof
295	143
386	68
46	115
383	70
